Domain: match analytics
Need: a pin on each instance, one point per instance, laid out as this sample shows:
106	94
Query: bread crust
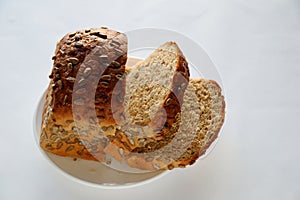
87	66
203	150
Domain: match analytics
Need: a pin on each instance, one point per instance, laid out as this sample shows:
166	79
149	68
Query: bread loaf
151	115
87	66
153	97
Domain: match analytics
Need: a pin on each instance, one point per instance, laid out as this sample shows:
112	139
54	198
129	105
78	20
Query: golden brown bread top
80	59
87	66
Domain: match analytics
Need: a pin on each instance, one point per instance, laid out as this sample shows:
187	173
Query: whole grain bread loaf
87	66
150	115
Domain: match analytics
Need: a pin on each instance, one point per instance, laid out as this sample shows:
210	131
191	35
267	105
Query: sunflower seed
169	101
83	133
49	147
57	139
156	166
116	42
131	141
44	136
104	84
73	60
69	121
65	99
141	140
87	71
71	79
80	91
121	151
128	134
104	59
53	136
79	101
60	128
110	128
78	44
70	148
115	64
92	120
54	129
59	83
59	145
106	78
70	67
119	76
82	82
119	51
69	141
77	37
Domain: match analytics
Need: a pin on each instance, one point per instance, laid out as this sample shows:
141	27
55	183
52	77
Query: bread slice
154	92
87	66
197	126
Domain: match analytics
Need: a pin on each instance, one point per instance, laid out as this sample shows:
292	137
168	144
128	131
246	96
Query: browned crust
84	62
59	144
179	84
76	97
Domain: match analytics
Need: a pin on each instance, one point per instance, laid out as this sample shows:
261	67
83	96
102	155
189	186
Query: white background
256	47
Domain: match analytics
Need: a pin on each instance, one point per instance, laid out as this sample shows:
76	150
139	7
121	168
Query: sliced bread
197	126
154	91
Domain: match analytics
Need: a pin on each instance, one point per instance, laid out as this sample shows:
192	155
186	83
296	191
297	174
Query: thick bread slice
154	92
197	126
87	66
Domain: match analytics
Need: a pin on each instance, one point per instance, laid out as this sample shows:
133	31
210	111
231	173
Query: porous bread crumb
154	91
199	123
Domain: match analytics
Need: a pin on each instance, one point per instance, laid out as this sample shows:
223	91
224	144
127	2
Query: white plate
90	172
